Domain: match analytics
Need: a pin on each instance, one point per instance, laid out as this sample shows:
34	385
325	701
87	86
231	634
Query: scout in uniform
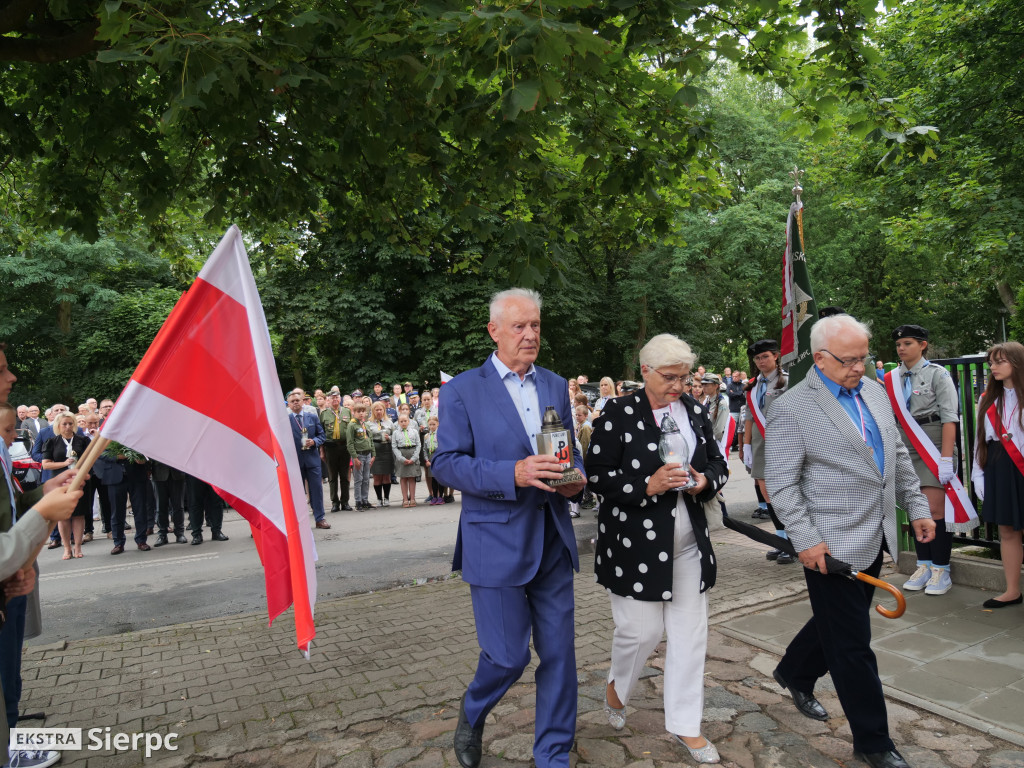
763	390
932	402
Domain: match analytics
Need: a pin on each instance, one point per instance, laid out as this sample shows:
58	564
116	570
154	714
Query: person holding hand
516	546
653	551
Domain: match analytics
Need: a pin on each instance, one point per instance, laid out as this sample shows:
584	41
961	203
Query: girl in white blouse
998	473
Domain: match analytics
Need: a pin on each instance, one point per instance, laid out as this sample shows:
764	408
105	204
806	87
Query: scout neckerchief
960	514
1006	437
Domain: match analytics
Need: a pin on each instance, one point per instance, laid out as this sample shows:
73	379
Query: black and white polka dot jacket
635	536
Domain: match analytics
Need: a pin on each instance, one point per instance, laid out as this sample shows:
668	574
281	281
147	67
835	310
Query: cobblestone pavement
387	671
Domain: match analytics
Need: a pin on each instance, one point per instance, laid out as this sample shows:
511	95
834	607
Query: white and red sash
756	414
960	513
1005	439
727	436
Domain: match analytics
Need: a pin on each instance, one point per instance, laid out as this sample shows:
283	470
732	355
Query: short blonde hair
666	350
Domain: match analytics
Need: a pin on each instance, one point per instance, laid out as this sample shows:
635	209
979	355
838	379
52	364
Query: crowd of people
121	481
831	457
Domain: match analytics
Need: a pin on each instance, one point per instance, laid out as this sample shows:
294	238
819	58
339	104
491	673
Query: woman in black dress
62	451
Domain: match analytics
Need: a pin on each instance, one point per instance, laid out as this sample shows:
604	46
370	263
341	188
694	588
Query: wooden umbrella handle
901	602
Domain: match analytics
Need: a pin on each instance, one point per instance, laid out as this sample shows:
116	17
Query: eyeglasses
852	361
671	378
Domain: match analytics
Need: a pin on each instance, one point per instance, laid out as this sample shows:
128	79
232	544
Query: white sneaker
916	582
939	583
23	758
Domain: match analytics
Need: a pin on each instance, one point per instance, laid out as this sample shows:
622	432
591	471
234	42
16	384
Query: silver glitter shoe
616	717
705	754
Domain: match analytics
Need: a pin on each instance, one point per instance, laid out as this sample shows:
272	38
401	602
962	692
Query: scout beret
910	332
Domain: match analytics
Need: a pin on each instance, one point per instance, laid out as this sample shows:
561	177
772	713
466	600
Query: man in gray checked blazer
835	469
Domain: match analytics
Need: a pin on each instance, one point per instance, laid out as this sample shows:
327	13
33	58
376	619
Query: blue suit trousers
505	618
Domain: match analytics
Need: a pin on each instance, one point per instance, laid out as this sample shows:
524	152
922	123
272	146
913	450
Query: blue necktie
907	387
760	393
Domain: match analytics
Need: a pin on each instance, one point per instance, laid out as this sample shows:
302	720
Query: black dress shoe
335	507
197	540
346	508
772	554
890	759
805	702
785	558
160	540
218	536
468	740
180	539
993	603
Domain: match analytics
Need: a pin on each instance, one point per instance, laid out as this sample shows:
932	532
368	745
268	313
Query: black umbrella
832	565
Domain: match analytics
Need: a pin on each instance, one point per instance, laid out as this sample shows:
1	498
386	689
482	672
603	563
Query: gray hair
826	329
665	350
498	300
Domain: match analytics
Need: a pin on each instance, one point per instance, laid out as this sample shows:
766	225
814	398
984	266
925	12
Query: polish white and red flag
206	400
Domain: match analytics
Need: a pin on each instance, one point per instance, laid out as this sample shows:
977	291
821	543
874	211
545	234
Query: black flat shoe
890	759
468	740
805	702
993	603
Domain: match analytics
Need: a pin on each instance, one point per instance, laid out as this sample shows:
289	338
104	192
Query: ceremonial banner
960	515
799	312
206	400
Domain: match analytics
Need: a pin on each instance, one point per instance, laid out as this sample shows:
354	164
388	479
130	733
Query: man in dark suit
516	545
33	423
836	469
308	433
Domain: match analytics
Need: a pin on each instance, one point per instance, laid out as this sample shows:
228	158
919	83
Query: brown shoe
87	537
145	547
117	550
322	524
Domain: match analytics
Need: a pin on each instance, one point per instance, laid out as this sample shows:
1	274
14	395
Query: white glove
978	478
946	472
748	456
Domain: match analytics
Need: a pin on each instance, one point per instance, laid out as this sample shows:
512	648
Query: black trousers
337	459
837	640
170	507
203	501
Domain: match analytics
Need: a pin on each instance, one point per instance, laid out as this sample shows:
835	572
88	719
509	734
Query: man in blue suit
516	545
309	435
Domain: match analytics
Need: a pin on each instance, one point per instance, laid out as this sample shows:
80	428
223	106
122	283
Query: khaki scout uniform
771	394
933	402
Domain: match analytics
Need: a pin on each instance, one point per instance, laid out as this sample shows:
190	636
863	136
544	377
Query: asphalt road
103	594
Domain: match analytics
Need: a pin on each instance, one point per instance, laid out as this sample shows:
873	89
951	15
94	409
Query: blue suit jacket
480	438
315	430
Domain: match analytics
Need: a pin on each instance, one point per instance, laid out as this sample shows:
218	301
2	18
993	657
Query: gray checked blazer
824	483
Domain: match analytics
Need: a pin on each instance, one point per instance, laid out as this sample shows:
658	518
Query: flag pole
796	173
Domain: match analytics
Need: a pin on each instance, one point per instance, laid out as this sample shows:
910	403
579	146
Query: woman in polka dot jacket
653	548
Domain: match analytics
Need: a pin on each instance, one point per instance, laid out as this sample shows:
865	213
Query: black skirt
1004	489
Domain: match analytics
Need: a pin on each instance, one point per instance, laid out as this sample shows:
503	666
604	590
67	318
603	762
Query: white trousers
640	624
